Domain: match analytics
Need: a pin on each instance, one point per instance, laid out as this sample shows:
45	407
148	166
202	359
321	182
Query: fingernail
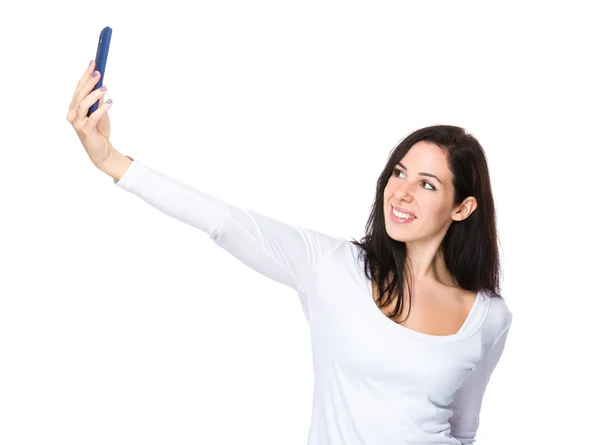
109	101
96	74
103	88
91	61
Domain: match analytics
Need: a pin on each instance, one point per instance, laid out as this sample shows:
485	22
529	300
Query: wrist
116	165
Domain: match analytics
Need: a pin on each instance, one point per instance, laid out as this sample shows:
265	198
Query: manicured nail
103	88
91	61
96	74
109	101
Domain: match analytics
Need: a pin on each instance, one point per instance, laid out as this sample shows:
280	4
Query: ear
463	211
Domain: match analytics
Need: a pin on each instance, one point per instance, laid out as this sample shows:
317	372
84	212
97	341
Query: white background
120	325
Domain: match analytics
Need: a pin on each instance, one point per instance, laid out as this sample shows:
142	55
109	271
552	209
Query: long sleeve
468	400
285	253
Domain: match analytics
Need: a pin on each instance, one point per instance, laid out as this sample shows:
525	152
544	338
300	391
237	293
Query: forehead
427	157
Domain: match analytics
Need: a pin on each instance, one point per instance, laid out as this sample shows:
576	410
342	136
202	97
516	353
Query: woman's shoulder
499	316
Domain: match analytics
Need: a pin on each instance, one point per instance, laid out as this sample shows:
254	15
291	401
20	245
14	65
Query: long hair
470	246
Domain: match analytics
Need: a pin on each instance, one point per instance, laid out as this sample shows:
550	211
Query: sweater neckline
470	326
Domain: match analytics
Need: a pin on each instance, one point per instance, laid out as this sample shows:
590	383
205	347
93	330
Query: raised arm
282	252
285	253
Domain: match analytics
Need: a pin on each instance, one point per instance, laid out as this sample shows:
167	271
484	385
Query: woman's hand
93	131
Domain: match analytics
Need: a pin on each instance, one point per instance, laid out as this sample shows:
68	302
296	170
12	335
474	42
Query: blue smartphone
101	56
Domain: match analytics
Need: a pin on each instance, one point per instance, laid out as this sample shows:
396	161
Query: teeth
402	215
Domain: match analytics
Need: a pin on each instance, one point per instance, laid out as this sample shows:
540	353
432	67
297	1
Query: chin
396	234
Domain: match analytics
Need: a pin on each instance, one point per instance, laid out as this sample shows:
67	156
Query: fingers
86	75
85	104
97	115
89	126
85	85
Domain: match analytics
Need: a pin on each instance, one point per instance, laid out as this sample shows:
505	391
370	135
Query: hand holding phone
101	57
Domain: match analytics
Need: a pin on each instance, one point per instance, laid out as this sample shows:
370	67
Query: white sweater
375	382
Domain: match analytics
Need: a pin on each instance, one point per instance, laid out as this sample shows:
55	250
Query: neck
427	263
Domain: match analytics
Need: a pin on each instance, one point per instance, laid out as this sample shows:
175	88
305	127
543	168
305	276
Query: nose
404	192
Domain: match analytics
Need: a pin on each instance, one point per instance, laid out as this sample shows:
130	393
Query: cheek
387	192
430	203
436	209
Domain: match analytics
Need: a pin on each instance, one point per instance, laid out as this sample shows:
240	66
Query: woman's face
420	186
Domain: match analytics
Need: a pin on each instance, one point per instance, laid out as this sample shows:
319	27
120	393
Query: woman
393	364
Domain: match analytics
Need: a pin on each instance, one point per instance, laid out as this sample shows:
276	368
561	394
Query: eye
397	172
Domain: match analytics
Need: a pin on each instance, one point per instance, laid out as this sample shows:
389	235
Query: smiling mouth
400	217
402	214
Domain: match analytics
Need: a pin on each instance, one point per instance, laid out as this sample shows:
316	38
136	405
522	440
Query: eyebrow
422	173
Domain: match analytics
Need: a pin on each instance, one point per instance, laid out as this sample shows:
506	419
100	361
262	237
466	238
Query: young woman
407	325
